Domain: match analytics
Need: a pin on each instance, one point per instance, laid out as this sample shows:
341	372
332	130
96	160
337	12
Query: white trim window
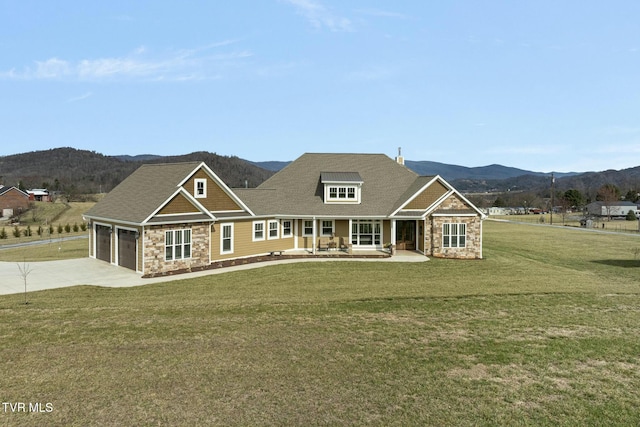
454	235
366	232
287	228
274	227
226	238
328	227
307	228
200	188
177	244
342	193
258	231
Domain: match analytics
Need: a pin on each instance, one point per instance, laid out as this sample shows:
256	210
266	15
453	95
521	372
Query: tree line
75	173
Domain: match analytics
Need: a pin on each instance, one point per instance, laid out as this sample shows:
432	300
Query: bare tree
608	194
25	269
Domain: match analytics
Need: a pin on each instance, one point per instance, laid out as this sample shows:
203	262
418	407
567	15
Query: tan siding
304	242
386	232
217	199
243	244
179	204
428	196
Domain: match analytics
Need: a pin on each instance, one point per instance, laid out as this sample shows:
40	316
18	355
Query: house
614	208
39	195
12	200
170	217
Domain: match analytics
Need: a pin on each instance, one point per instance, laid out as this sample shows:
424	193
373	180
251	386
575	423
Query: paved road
42	242
87	271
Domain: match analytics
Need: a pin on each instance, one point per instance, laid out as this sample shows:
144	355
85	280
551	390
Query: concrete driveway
88	271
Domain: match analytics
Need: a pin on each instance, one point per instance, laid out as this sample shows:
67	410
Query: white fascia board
343	182
451	191
457	193
180	190
437	203
220	183
424	187
111	221
455	214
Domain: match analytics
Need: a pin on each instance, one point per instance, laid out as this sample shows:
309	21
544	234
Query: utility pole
553	194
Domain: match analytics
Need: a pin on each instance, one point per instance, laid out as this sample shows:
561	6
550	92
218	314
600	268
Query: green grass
543	331
45	214
48	251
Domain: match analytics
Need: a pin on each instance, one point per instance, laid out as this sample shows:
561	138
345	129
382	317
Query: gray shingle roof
298	190
142	192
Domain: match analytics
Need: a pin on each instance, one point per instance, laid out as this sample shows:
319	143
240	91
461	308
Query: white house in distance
614	208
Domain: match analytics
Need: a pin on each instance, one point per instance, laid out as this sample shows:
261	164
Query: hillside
453	172
73	171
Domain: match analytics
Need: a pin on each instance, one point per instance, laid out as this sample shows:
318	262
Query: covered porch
360	235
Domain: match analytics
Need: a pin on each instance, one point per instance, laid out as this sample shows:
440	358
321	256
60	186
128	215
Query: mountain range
76	171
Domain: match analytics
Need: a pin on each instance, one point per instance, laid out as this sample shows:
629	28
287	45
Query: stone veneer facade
433	232
154	238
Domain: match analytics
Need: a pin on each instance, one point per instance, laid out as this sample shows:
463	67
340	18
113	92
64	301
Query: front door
406	235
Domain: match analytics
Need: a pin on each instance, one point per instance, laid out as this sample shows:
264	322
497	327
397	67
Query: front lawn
543	331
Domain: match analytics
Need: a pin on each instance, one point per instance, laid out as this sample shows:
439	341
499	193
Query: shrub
76	228
16	231
631	216
67	228
27	231
60	229
50	229
83	226
3	233
40	231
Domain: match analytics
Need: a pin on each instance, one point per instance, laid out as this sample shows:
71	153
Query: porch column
295	233
393	231
313	236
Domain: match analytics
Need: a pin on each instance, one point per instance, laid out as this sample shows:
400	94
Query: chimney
399	158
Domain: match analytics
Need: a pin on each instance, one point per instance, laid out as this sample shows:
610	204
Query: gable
179	204
216	200
13	192
454	205
428	196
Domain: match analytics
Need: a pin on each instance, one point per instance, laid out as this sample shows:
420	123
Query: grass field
45	214
543	331
573	220
50	250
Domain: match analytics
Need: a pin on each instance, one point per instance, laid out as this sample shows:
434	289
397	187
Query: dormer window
341	187
200	188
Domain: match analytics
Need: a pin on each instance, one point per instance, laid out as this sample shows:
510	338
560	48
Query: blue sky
540	85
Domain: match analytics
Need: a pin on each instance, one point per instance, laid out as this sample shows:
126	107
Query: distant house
39	195
494	210
13	200
614	208
169	217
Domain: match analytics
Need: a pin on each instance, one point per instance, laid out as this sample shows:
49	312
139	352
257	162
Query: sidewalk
87	271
